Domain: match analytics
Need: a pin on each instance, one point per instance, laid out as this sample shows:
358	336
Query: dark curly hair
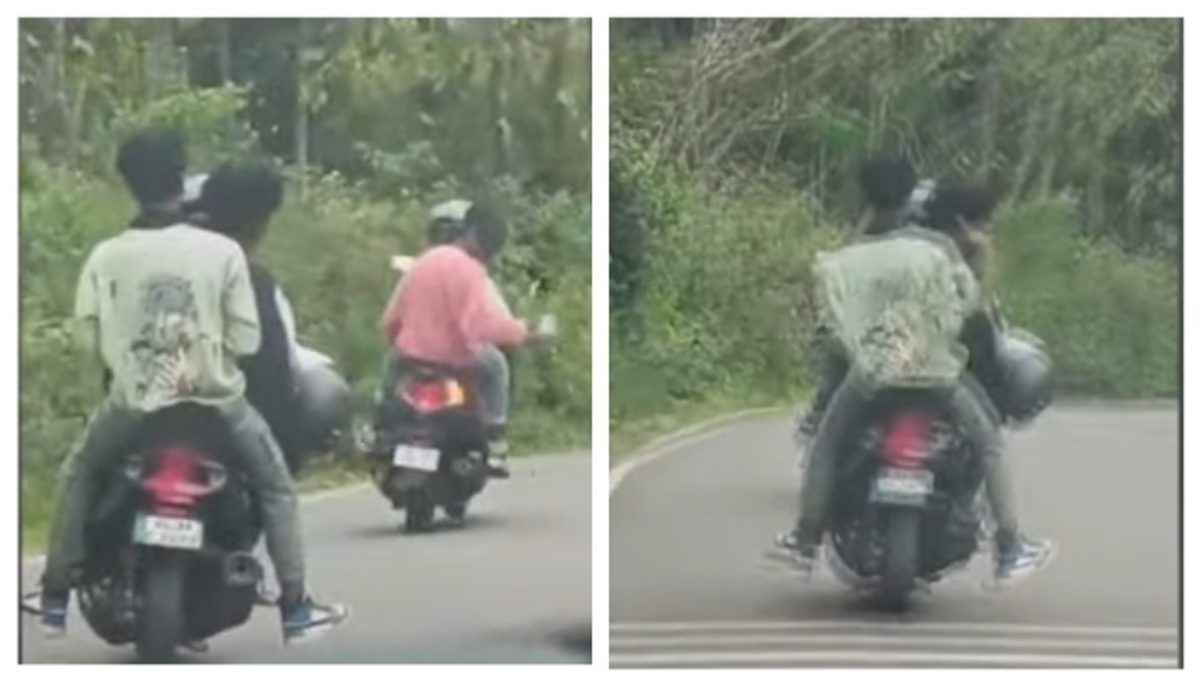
238	199
152	162
952	202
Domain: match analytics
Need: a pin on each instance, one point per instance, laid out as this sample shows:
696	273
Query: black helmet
1027	385
326	404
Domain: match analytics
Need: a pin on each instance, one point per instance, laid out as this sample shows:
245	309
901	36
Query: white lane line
853	659
893	627
674	442
934	643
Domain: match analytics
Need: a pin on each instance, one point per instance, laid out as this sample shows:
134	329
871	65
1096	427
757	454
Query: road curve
689	586
513	586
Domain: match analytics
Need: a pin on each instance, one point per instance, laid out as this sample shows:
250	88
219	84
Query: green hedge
721	311
329	249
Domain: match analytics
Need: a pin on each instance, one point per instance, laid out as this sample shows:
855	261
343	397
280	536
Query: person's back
896	304
167	320
444	313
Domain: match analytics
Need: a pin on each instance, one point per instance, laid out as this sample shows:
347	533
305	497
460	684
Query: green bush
723	313
329	247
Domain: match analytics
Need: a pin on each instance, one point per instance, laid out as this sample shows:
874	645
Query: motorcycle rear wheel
419	512
901	559
160	618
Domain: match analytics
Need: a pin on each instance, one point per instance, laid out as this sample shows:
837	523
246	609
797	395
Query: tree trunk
225	50
300	131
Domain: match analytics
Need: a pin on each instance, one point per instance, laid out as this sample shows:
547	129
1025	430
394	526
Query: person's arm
498	297
270	379
289	326
980	333
243	329
86	323
87	307
482	320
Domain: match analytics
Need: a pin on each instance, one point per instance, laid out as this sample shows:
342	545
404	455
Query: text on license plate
415	457
904	482
168	532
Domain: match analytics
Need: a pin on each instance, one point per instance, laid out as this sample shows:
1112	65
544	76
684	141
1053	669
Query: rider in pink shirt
443	312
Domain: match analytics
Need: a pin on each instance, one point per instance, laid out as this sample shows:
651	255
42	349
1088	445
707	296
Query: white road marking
896	626
853	659
673	442
853	644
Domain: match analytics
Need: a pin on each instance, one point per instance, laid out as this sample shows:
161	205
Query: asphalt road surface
690	587
513	586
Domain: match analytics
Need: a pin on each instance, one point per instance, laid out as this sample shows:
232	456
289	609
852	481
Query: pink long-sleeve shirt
442	310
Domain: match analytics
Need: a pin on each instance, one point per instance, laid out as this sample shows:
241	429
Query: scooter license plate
901	486
168	532
415	457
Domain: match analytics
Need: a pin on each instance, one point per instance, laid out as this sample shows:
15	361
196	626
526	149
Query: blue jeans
492	385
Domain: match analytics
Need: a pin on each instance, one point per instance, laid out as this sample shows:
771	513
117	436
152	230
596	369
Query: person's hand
540	339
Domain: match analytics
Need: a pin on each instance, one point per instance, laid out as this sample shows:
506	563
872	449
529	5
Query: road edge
668	443
343	490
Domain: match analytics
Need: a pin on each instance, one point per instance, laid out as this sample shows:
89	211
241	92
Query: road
690	588
514	586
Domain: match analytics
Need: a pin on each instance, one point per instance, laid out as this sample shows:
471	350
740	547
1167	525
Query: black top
270	383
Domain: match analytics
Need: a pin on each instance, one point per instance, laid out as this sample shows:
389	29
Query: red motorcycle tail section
176	481
906	440
431	396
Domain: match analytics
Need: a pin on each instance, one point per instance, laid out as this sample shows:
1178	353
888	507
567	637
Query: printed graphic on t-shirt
162	351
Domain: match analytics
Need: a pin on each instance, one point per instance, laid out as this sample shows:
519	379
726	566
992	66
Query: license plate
904	483
168	532
415	457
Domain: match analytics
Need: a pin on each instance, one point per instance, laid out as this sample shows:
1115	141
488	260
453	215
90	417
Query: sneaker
51	610
789	547
307	620
497	461
1020	559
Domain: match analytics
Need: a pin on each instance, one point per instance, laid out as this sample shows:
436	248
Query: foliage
329	244
734	149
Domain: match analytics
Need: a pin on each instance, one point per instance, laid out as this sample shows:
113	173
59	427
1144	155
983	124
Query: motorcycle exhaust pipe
241	569
463	467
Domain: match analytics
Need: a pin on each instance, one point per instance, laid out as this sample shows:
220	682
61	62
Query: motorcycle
169	560
908	509
910	506
430	447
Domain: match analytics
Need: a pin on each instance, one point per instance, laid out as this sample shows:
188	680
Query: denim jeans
492	386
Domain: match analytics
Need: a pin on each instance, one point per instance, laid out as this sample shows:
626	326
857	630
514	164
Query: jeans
968	404
833	367
106	439
492	384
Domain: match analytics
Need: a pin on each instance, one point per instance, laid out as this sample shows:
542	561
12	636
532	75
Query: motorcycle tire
901	559
418	513
160	617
